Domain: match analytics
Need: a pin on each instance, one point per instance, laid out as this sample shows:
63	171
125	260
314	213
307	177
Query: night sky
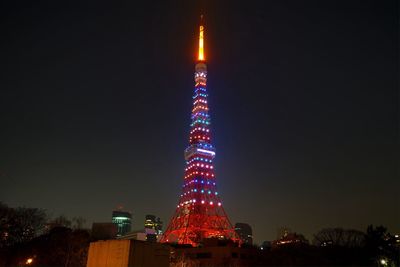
95	102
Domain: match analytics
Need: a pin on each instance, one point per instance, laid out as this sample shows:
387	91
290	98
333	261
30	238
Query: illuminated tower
199	213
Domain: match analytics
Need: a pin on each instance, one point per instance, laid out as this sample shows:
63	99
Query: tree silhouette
18	225
339	237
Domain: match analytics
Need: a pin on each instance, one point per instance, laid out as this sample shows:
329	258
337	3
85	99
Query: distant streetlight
383	262
29	261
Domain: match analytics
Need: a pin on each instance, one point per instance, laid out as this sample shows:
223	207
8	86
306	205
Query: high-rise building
245	233
153	222
123	221
199	214
149	221
158	226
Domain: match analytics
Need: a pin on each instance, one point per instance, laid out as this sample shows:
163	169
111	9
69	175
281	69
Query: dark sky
95	103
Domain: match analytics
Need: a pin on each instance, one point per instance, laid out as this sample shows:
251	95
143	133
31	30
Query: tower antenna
201	56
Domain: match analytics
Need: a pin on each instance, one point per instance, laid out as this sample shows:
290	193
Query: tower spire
201	41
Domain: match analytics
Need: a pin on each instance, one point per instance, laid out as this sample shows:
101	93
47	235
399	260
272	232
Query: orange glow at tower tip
201	44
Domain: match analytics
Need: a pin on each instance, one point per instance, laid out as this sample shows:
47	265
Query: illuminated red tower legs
199	213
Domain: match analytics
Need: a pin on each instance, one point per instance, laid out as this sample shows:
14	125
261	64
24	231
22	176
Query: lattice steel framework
199	214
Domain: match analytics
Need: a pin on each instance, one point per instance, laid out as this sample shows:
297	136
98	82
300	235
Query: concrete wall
110	253
216	256
128	253
149	254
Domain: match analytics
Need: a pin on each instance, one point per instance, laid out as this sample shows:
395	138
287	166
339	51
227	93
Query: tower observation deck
199	213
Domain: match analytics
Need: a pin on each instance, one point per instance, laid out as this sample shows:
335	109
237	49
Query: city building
153	222
145	234
199	214
290	238
104	231
123	221
245	233
135	235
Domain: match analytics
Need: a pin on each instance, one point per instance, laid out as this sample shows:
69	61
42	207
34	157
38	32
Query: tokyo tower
199	213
